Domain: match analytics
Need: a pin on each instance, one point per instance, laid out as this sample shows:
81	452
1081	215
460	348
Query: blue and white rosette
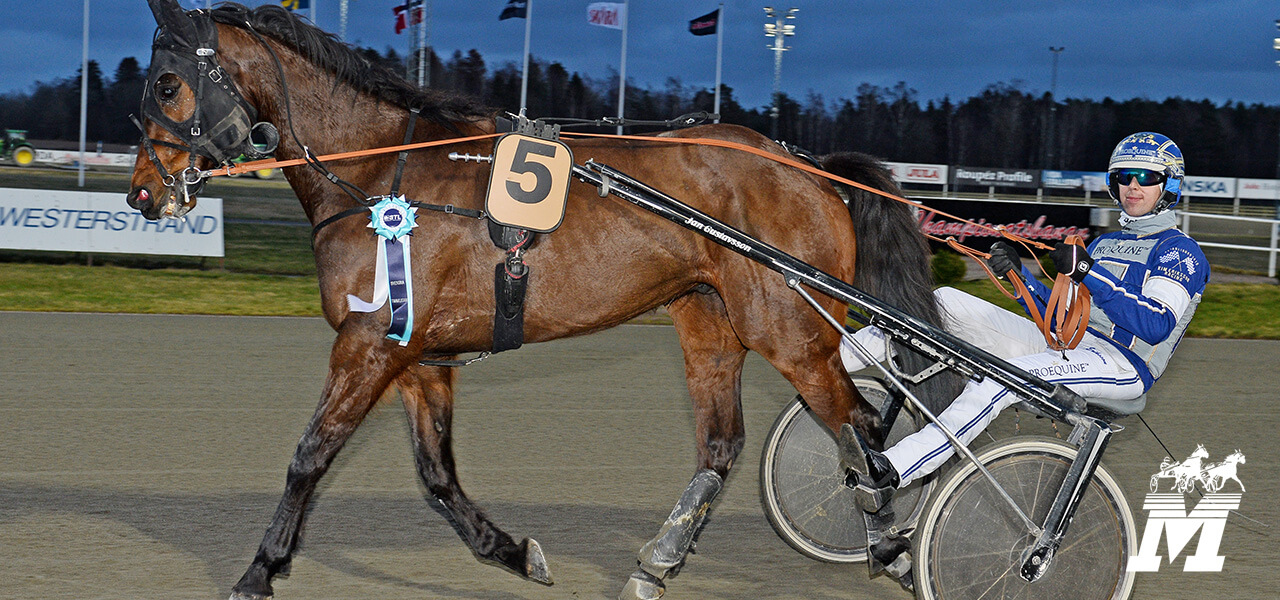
393	220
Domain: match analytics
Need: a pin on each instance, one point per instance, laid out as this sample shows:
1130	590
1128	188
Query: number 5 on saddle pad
529	183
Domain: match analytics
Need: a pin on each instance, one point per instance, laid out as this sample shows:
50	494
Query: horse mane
348	65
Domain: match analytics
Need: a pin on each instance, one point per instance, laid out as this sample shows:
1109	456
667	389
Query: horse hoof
242	596
642	586
535	564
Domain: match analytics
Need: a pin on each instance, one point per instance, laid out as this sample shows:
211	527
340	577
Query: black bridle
221	126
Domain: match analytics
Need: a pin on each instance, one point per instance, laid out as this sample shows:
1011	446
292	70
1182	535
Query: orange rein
1068	304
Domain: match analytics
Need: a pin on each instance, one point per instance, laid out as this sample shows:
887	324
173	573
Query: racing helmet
1153	152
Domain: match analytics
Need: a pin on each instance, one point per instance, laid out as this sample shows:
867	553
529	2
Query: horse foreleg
358	374
713	369
427	393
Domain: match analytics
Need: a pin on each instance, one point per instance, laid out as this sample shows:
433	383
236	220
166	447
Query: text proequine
1167	514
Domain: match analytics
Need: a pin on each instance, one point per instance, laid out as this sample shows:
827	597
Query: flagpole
719	57
524	73
622	76
84	89
424	75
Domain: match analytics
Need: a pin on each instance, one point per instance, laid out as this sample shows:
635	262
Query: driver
1151	278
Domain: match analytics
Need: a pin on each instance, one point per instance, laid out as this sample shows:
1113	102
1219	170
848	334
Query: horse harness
221	128
511	275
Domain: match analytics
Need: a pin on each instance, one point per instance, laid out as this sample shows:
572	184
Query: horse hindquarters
427	393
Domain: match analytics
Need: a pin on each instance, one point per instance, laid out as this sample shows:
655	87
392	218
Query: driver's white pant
1094	369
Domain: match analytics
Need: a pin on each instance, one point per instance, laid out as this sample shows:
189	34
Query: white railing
1272	249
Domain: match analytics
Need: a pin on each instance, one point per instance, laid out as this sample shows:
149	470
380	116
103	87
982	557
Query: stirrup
869	498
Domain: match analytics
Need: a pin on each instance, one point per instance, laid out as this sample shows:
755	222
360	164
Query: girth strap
510	280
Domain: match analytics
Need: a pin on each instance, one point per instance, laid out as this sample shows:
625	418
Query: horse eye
167	88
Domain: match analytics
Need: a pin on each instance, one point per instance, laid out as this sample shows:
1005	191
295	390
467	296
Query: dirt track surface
143	456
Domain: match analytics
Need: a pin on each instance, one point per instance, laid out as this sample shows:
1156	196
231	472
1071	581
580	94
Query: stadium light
778	30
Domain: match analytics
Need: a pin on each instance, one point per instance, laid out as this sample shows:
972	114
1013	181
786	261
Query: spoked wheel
970	542
802	484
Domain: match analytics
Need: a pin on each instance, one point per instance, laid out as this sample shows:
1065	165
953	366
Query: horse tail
892	261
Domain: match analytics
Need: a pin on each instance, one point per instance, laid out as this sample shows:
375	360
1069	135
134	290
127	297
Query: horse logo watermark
1167	512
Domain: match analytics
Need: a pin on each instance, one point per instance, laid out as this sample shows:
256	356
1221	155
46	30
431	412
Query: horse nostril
139	199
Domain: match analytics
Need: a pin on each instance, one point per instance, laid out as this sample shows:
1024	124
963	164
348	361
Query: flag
409	13
706	24
296	4
607	14
515	9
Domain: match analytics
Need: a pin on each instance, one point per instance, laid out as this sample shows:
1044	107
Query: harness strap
147	142
338	217
404	154
448	209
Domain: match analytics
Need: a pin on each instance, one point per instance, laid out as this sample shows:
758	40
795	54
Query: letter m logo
1166	514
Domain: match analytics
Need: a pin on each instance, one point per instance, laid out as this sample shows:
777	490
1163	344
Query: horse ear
170	17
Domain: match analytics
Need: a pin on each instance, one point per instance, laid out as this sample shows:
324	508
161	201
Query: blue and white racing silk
1146	282
1150	283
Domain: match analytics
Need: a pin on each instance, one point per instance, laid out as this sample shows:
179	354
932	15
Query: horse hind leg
713	369
427	393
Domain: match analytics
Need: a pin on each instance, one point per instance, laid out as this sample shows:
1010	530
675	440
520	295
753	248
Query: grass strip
110	289
1228	310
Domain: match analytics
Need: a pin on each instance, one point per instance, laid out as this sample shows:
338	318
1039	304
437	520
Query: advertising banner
72	221
1261	189
1043	222
1212	187
1017	178
919	173
1090	181
71	157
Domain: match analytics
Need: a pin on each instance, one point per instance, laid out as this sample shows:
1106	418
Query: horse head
1235	457
195	115
1200	452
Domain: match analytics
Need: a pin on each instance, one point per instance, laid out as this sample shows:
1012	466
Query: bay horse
607	263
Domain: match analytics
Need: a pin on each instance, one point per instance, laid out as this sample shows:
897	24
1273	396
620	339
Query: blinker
222	123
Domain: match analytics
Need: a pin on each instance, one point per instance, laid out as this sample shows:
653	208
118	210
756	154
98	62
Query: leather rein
1063	322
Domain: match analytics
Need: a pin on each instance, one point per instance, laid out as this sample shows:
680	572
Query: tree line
1004	126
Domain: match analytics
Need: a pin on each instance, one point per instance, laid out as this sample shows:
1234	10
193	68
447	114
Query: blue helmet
1153	152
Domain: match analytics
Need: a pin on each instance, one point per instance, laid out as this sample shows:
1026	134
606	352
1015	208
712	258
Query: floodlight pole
778	30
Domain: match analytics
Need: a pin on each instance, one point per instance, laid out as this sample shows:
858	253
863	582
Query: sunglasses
1125	176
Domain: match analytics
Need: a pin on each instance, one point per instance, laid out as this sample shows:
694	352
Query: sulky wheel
969	544
802	484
